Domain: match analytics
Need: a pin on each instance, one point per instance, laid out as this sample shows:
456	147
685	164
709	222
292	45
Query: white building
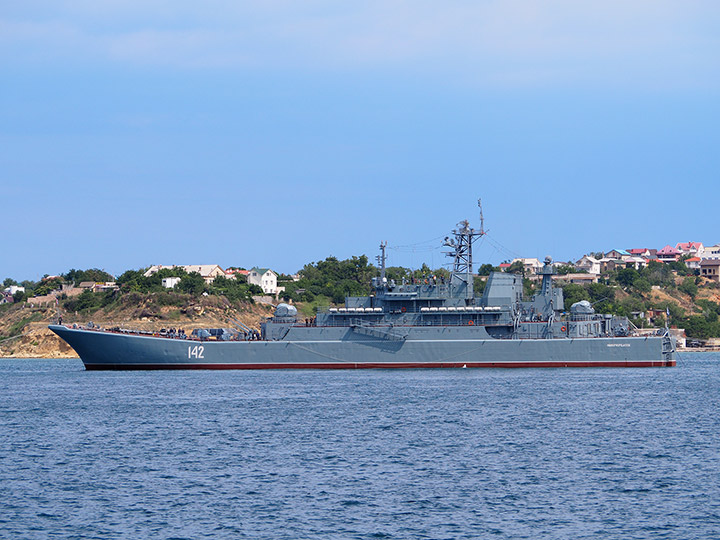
694	249
170	282
208	271
693	263
12	289
531	265
588	263
711	252
266	279
635	262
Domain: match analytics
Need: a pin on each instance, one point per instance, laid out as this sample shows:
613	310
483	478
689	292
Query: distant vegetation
629	292
690	300
331	280
133	281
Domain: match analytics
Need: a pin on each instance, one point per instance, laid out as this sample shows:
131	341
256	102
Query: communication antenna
482	219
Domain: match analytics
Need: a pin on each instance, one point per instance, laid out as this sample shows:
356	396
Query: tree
657	273
565	269
423	272
528	288
92	274
397	273
516	268
626	277
642	285
233	289
131	280
47	285
699	327
192	283
135	280
677	314
680	267
601	296
486	269
689	287
573	293
336	279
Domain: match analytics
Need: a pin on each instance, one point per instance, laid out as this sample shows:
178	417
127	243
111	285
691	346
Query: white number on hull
196	351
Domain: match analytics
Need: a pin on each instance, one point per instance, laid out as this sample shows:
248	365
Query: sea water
452	453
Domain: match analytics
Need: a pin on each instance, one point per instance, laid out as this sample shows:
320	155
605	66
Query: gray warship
426	324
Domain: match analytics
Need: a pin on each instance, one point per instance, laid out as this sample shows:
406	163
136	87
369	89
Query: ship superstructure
433	302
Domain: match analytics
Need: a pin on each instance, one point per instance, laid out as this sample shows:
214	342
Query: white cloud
507	43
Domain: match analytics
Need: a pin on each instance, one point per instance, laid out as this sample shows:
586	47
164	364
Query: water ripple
557	454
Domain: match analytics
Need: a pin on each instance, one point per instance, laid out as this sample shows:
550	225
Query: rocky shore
31	338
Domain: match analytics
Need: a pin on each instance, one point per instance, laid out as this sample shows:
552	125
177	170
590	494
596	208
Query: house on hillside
711	252
531	265
98	286
155	268
710	268
581	279
693	263
694	249
645	253
107	286
266	279
504	267
668	254
12	289
170	282
208	271
634	262
588	263
617	254
608	265
232	273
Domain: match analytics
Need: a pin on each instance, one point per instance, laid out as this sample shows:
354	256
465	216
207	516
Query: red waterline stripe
370	365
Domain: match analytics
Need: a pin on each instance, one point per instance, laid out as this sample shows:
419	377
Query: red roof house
668	254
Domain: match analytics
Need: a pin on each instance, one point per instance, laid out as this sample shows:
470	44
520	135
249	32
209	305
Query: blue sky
278	133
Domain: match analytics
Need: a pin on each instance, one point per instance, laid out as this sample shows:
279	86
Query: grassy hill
24	332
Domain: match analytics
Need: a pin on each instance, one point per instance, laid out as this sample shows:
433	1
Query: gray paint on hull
343	348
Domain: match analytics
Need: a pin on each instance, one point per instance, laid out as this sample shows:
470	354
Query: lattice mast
461	278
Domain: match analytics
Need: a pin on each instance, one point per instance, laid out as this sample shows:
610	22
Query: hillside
24	332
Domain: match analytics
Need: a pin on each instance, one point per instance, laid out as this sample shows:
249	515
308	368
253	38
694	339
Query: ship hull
101	350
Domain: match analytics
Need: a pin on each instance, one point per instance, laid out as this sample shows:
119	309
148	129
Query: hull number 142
196	351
